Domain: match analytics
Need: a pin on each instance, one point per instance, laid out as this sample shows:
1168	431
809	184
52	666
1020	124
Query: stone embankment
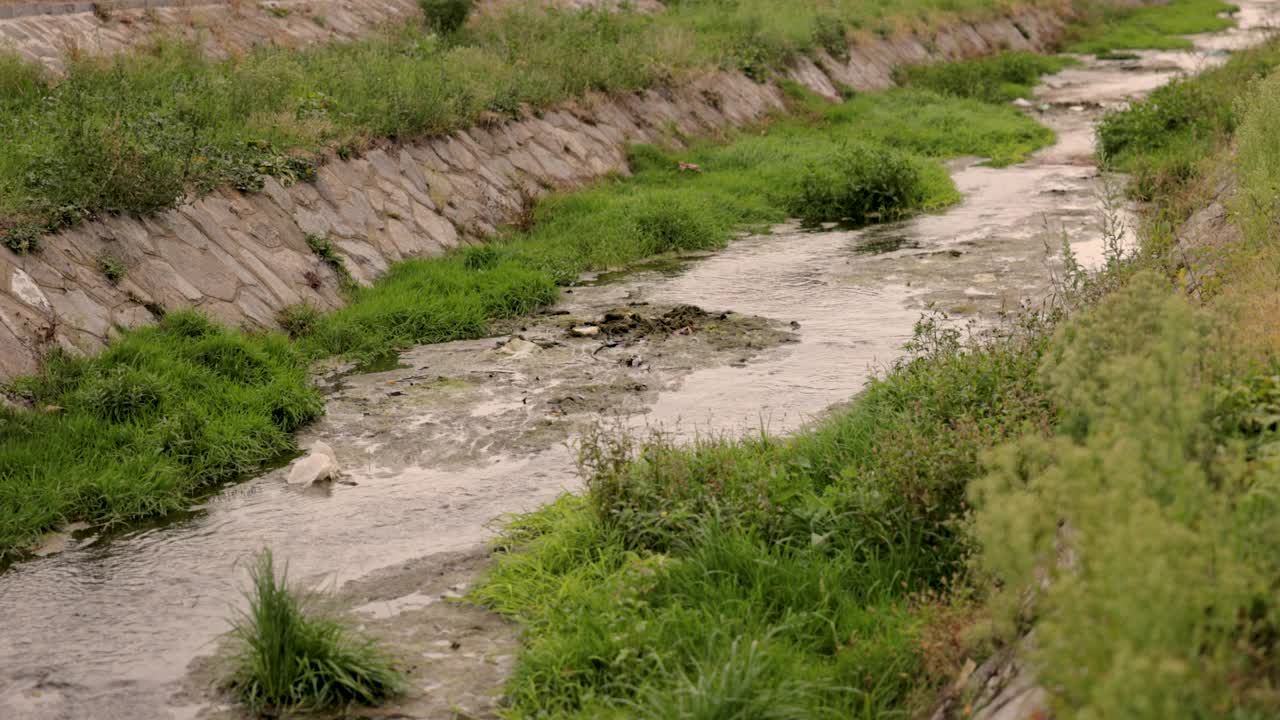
240	257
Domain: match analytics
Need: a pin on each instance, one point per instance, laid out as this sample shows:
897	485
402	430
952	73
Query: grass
168	412
1158	27
995	79
292	659
142	130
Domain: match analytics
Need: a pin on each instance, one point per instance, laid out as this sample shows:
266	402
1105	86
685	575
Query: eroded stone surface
241	258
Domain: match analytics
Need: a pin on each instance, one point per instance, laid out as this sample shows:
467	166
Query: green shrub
859	184
291	659
446	16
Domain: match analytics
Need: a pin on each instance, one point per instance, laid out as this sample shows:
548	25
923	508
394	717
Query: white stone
319	465
586	331
28	292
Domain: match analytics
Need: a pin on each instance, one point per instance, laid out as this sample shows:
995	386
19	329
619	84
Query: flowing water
465	432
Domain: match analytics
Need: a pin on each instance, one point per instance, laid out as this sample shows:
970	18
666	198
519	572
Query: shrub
289	658
859	184
446	16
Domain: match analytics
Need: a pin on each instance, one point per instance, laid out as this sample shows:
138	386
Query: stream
786	325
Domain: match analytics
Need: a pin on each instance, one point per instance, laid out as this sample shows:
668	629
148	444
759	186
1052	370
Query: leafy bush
859	184
290	659
446	16
1135	527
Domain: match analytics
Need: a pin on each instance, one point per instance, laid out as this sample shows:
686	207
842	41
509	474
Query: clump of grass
291	659
324	249
1157	27
147	426
860	184
997	79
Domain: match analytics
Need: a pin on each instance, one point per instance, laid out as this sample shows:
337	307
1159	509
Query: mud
782	326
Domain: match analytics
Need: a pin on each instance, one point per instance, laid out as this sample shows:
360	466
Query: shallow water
464	432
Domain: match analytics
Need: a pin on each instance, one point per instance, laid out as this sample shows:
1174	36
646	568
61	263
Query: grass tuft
290	659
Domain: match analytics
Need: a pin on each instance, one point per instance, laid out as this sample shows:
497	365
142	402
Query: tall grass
291	659
168	412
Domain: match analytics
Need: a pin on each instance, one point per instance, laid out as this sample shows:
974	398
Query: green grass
290	658
138	132
995	79
766	577
168	412
1158	27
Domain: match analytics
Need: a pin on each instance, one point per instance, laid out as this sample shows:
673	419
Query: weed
324	249
23	238
112	268
291	659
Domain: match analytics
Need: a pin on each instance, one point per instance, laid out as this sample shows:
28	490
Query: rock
1023	103
519	347
586	331
319	465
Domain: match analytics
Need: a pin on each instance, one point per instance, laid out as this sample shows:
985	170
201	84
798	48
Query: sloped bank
241	257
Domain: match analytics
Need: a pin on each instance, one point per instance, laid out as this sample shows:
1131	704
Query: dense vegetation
1104	473
168	411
